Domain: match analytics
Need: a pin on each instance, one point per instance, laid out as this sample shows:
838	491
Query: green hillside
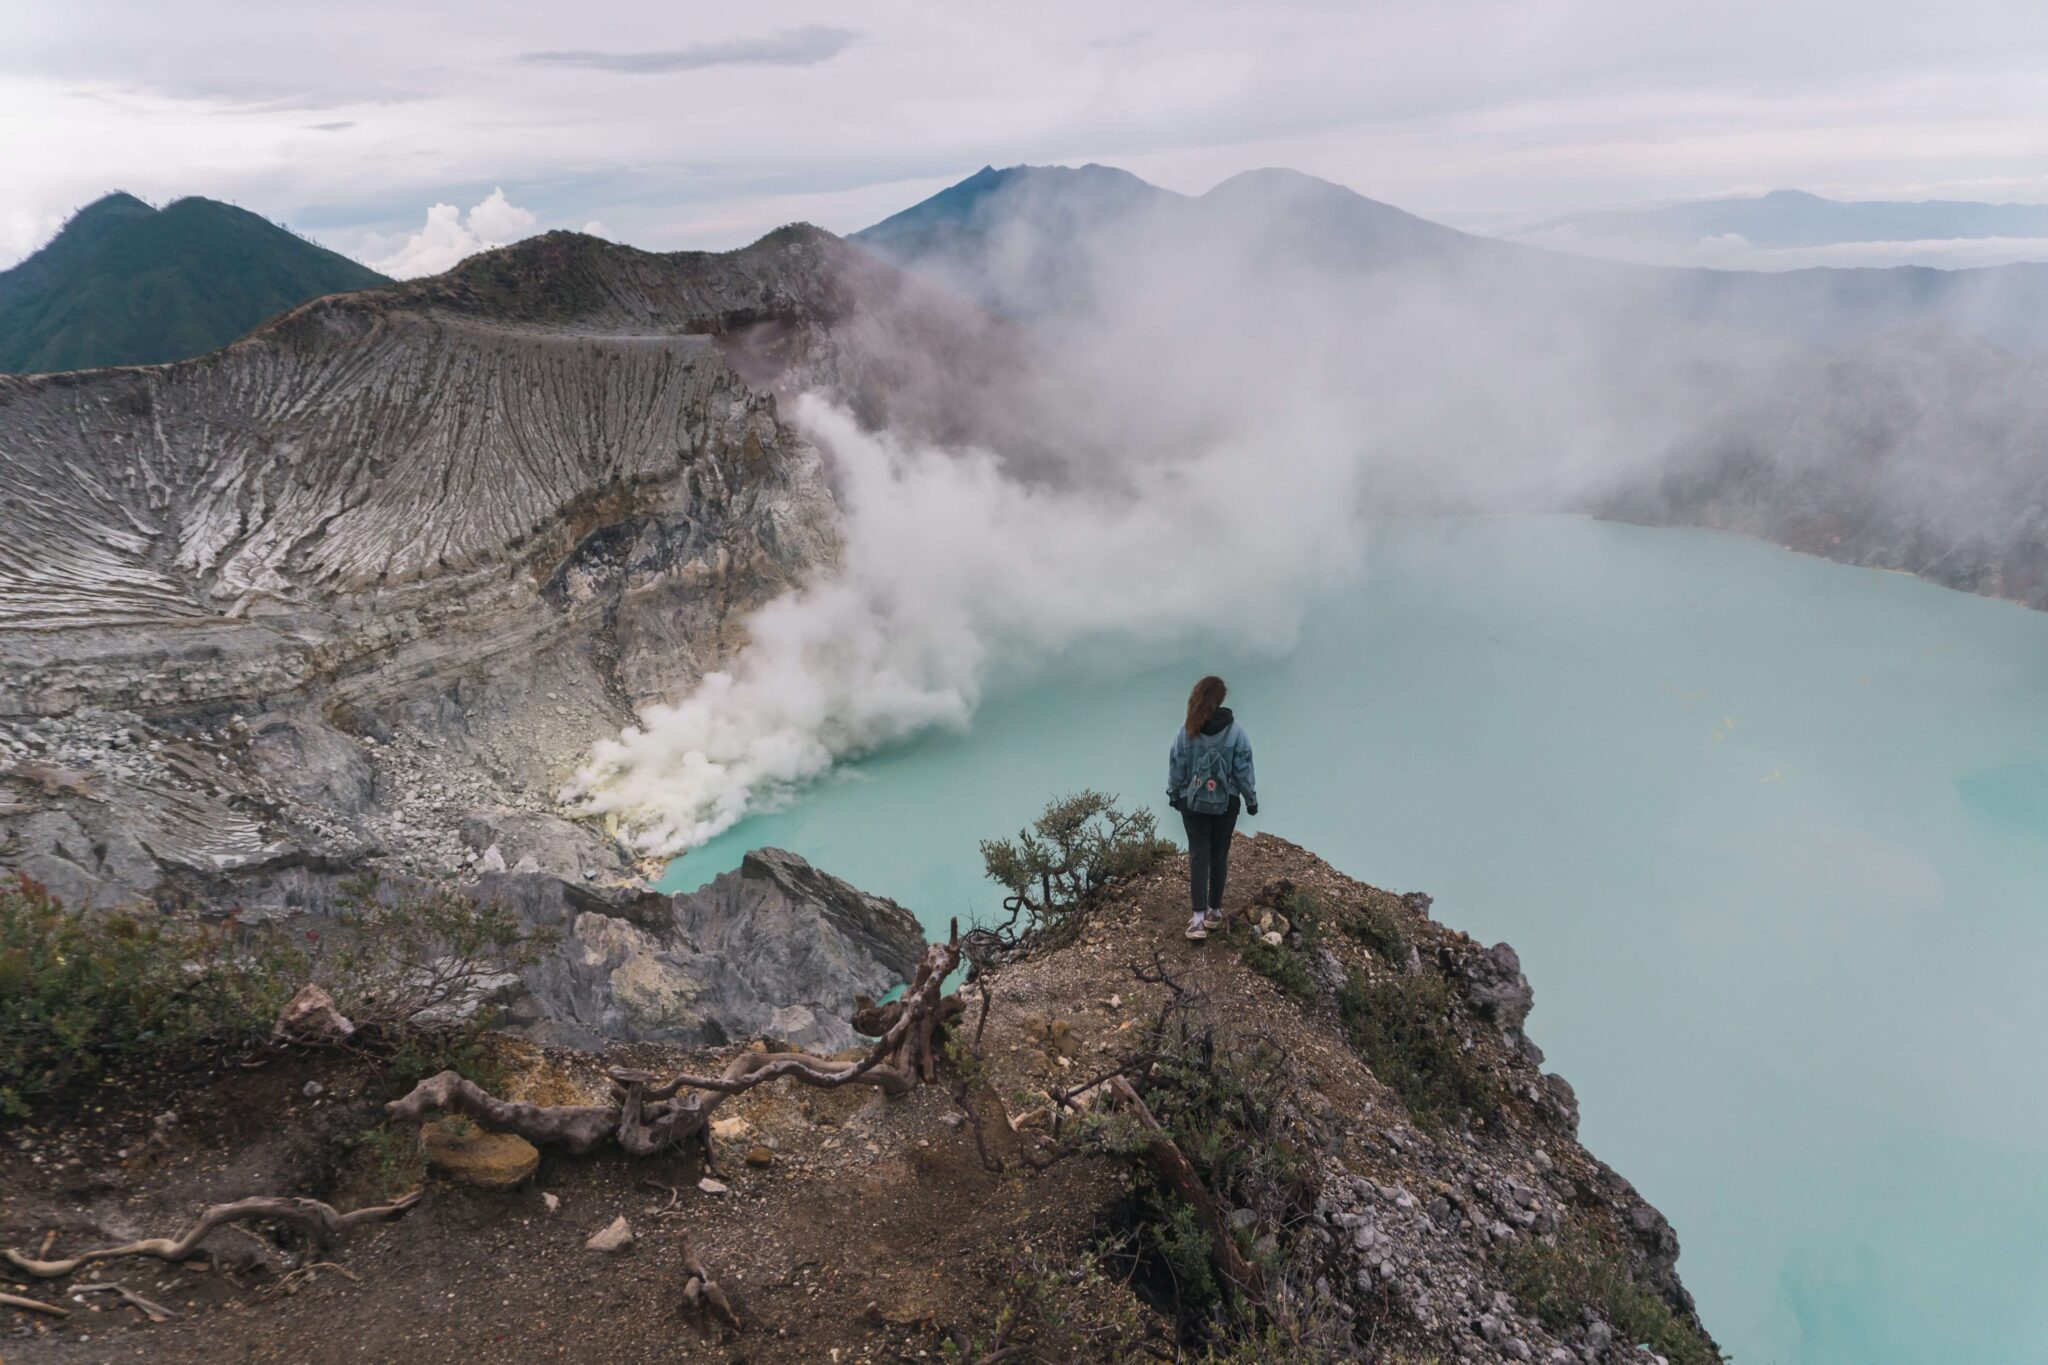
126	284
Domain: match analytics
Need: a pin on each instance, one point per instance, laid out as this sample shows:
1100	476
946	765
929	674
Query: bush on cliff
1057	870
79	996
1576	1274
84	994
1402	1027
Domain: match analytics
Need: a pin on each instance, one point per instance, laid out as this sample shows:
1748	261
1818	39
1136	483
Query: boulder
312	763
311	1017
1496	986
774	948
534	841
460	1150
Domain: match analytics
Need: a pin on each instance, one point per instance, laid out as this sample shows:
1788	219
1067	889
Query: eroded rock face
402	556
775	949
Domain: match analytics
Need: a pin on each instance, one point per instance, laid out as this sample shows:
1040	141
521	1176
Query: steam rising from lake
1215	398
952	571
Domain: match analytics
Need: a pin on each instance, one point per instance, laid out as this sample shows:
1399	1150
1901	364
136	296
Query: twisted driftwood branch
650	1117
321	1222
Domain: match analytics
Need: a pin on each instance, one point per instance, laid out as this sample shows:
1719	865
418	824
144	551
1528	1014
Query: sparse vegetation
1054	1309
1562	1281
1278	963
1057	871
429	958
1229	1107
1380	929
1285	964
1401	1025
80	995
383	1163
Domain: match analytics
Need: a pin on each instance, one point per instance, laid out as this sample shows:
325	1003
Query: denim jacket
1180	760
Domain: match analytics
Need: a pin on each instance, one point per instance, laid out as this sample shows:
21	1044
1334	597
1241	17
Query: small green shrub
383	1162
1380	928
1280	964
1400	1026
79	995
1558	1283
1230	1111
1284	964
1054	1308
429	958
1057	871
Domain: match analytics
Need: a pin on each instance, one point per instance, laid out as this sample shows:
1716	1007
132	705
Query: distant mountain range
1879	416
1026	241
1790	228
127	284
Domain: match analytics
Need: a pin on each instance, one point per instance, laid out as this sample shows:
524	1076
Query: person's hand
1251	808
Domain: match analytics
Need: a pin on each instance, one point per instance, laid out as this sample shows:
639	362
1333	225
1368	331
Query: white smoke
953	569
1188	454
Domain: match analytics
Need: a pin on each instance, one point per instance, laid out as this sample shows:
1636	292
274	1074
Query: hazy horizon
401	136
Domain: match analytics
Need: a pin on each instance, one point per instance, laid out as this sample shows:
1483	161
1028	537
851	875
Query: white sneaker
1215	919
1198	928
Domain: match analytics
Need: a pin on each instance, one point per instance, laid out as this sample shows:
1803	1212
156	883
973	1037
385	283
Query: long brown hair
1203	701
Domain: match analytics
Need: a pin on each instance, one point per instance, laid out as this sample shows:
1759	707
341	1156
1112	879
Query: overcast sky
680	124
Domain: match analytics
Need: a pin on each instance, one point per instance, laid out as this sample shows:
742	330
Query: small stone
760	1156
493	860
710	1186
312	1090
551	1201
731	1129
1271	938
311	1017
615	1236
1518	1348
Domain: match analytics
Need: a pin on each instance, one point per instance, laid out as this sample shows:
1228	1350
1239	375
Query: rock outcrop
775	949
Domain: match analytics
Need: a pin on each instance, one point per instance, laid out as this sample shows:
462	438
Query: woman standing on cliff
1208	769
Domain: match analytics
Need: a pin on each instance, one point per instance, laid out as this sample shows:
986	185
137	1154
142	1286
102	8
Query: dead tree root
321	1222
701	1294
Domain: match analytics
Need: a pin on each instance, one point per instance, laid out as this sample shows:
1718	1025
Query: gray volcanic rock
558	847
401	556
775	949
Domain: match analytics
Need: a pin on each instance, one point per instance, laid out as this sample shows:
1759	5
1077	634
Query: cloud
449	237
23	233
806	46
1733	251
332	127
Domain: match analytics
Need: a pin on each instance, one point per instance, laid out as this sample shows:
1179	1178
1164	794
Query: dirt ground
872	1233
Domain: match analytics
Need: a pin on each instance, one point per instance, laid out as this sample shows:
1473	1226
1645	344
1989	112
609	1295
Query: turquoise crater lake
1771	836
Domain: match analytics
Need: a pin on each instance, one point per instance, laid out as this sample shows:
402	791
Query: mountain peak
127	284
114	203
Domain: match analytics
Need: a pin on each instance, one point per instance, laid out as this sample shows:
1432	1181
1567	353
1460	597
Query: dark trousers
1208	855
